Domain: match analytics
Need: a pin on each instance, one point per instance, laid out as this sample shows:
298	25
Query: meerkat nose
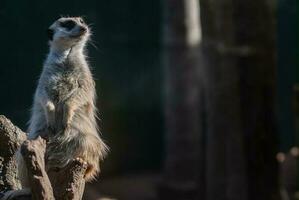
82	29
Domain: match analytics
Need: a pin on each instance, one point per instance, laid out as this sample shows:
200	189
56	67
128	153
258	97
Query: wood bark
33	152
67	183
11	138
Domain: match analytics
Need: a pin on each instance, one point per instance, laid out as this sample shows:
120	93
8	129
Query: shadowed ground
126	187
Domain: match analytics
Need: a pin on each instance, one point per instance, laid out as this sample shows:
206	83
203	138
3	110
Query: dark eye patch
50	34
68	24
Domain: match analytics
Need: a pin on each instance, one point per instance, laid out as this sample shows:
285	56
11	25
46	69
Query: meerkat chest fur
64	79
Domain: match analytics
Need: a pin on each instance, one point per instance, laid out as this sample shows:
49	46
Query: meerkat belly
61	86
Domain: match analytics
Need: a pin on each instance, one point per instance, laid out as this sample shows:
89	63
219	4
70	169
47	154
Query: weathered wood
33	152
11	137
67	183
17	195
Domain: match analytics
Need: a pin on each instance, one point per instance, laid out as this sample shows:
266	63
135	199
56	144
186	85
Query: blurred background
198	99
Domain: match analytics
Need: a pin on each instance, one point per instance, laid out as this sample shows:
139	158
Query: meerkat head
68	32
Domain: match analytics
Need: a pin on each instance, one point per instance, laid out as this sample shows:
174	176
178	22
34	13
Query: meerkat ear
50	33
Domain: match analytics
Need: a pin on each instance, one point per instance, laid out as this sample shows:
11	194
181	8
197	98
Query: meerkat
64	110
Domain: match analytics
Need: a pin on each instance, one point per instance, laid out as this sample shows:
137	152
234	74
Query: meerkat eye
50	33
69	24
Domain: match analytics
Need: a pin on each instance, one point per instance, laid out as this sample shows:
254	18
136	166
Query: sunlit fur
64	109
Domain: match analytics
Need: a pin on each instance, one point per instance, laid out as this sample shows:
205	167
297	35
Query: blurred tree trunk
239	75
226	177
181	39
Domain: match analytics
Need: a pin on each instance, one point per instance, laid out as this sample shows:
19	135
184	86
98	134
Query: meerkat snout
82	29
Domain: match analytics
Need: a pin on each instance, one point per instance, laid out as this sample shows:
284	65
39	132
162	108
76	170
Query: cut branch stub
68	183
33	152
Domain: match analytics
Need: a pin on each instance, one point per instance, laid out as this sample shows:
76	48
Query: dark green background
126	65
287	70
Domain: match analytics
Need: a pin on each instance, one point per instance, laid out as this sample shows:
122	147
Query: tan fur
64	109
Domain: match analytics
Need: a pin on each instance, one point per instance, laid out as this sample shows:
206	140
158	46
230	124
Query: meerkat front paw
50	114
68	113
50	106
